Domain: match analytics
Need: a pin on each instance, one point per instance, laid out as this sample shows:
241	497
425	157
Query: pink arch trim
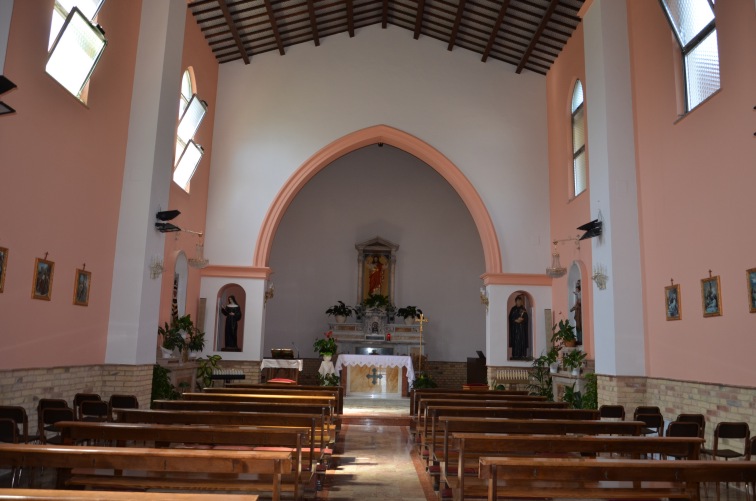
398	139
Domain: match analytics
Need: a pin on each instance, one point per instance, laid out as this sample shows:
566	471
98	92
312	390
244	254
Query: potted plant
573	360
409	313
423	380
563	334
205	370
182	335
325	346
377	301
340	312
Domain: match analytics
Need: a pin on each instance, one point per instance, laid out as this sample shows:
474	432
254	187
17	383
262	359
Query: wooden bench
326	400
65	495
145	468
319	433
290	439
285	389
417	393
500	402
606	478
472	446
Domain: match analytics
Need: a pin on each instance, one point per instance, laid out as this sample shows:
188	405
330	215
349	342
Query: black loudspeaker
592	229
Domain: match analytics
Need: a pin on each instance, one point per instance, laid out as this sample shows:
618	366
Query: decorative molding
236	272
516	279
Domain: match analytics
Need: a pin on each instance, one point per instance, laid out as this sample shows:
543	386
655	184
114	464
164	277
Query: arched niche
512	315
222	320
180	277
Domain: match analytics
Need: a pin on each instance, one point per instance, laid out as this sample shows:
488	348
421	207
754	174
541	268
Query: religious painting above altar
376	268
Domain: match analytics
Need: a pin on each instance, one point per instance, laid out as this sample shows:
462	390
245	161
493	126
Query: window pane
581	173
577	96
688	17
578	130
702	70
75	52
193	115
187	165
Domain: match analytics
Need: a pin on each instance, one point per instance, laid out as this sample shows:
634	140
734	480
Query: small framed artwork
711	297
750	274
673	305
3	266
82	284
43	279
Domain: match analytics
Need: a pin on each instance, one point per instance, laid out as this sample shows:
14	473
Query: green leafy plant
340	310
590	399
325	345
563	334
540	383
328	380
162	388
423	380
377	301
409	311
572	397
182	334
573	359
205	369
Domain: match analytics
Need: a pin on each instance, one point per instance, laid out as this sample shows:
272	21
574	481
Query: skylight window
693	24
188	153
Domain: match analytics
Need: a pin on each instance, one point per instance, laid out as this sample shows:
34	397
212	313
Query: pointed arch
398	139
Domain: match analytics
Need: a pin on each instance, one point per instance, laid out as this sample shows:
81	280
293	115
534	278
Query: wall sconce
484	297
599	276
156	267
270	292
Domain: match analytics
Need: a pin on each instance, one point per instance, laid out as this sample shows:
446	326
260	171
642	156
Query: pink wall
696	178
193	206
567	212
62	167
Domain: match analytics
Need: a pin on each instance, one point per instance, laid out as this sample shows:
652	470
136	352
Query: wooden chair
654	423
646	409
8	431
699	419
81	397
682	429
612	412
738	430
47	421
122	402
19	416
94	410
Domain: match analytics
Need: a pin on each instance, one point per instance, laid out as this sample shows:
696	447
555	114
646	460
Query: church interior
436	187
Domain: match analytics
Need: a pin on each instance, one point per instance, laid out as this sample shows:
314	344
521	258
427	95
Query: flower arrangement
326	345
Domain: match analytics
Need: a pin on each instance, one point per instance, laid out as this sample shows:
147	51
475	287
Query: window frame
581	151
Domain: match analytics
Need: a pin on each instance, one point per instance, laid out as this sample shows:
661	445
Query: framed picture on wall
711	297
673	305
43	279
82	283
750	275
3	266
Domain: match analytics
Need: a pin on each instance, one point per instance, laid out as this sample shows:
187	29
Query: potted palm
340	312
409	314
182	335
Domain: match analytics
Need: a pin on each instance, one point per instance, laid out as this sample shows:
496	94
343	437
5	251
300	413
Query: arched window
191	112
579	163
75	44
693	24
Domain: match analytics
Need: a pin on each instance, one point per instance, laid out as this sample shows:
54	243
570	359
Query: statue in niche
232	312
518	329
578	309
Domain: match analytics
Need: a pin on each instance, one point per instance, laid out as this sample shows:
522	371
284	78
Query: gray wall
378	191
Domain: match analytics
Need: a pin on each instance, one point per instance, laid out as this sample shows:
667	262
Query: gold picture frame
673	302
43	279
82	285
3	266
751	286
711	296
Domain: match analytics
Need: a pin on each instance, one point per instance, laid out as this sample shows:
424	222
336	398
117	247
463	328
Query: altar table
376	374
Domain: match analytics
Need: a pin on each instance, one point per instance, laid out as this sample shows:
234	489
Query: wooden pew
328	400
160	435
472	446
64	495
416	393
434	412
499	402
606	478
144	468
338	391
319	434
440	442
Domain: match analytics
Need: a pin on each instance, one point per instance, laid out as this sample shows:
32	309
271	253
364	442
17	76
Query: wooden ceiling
528	34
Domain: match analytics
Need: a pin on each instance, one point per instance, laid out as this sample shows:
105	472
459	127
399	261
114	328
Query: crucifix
423	319
374	377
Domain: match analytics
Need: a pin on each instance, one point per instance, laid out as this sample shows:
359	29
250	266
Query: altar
376	374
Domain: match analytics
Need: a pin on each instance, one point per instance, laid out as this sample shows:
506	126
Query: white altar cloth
346	360
282	363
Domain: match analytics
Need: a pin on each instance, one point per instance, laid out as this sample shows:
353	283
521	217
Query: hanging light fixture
556	269
198	261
